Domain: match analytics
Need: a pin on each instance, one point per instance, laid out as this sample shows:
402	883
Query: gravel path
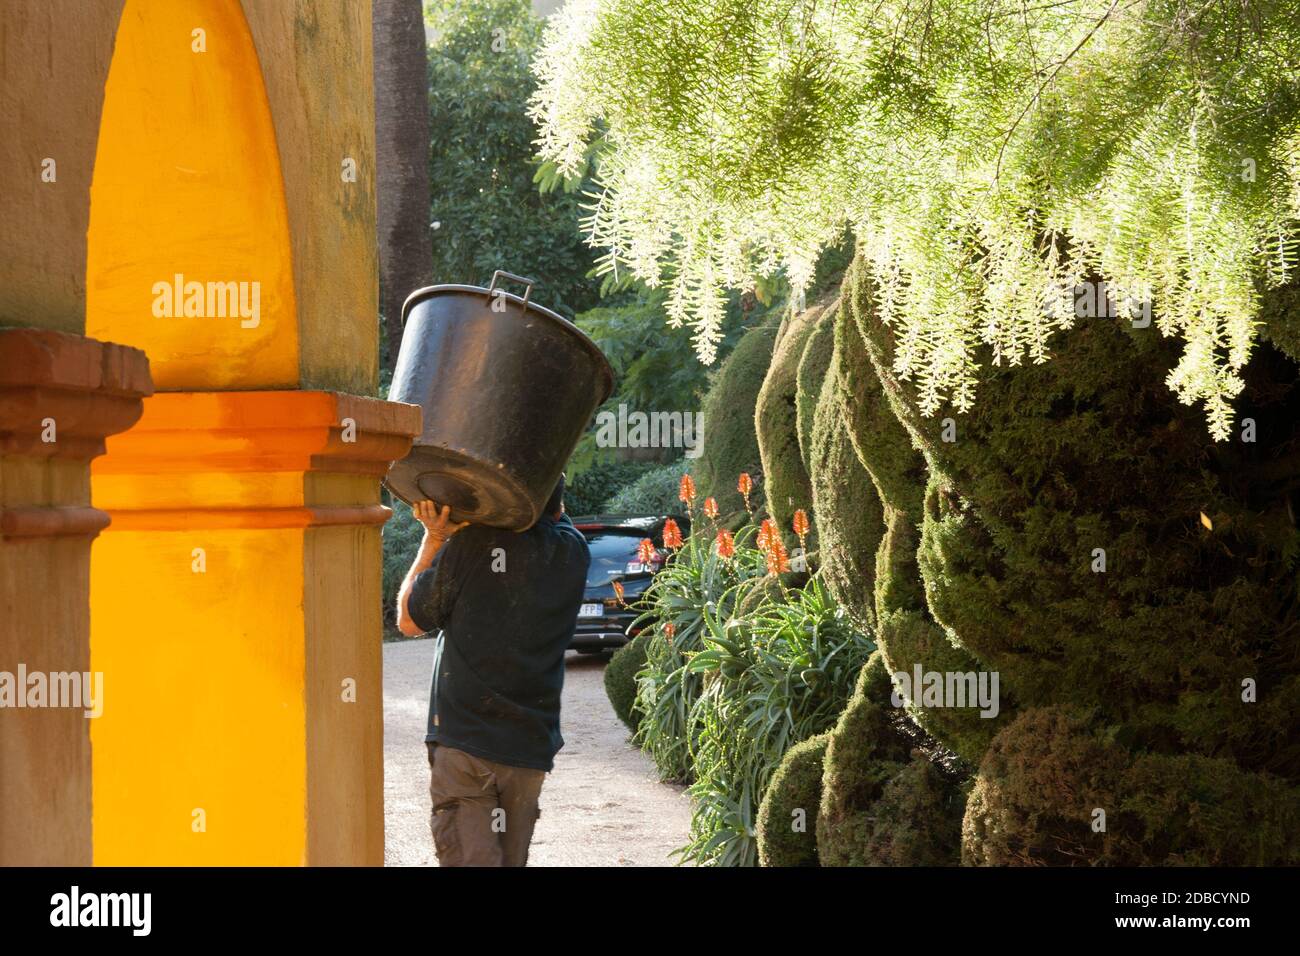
603	805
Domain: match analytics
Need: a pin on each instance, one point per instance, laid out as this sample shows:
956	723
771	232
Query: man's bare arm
437	529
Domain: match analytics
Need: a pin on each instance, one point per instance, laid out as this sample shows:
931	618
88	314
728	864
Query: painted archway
244	683
234	598
189	252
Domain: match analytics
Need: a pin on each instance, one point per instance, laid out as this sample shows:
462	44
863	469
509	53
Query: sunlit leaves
989	154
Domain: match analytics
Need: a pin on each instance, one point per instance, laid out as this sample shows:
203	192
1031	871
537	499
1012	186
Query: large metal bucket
507	389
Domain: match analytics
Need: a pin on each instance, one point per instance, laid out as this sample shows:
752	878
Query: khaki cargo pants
483	812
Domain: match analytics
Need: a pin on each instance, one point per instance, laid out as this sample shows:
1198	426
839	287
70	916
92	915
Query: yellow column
235	599
236	621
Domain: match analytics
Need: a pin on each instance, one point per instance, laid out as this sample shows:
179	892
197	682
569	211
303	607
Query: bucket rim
429	291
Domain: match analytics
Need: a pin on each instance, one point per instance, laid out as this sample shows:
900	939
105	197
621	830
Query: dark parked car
605	624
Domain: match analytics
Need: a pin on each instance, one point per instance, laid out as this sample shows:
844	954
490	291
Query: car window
611	553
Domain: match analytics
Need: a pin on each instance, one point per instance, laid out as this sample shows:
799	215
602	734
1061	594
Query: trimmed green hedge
620	679
776	424
883	802
1048	775
851	520
787	817
730	441
1088	456
810	376
865	750
655	492
909	634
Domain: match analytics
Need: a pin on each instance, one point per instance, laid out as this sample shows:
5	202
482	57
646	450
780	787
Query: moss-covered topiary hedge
1131	583
620	679
730	441
907	632
776	423
884	802
1090	458
863	753
1033	800
851	520
787	817
917	820
1054	790
811	375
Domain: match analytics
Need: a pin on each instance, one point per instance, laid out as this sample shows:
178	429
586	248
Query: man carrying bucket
506	603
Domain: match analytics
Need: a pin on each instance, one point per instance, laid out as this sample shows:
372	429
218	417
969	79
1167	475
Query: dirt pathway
603	805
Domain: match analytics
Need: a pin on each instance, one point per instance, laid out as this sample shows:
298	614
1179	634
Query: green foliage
620	679
908	631
774	677
655	369
883	803
694	585
654	366
917	820
490	214
851	519
809	376
402	536
987	154
736	683
864	751
776	424
730	440
655	492
1090	452
1190	810
587	492
1035	800
787	817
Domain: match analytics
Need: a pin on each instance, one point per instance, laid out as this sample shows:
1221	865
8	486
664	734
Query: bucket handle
502	274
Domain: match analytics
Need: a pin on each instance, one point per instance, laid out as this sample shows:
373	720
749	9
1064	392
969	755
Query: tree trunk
402	157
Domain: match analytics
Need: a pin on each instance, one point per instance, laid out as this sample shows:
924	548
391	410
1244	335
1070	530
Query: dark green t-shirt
507	603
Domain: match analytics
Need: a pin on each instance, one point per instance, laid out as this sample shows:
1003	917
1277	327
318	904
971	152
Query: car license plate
590	610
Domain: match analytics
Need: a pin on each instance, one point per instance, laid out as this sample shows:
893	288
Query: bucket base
477	492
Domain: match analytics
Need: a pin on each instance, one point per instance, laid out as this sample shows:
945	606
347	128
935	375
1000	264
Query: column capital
61	395
265	459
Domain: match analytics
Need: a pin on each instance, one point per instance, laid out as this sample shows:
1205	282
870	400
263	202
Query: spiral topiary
908	633
776	423
850	520
1055	789
1082	536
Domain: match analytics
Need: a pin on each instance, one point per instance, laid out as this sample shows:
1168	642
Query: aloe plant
772	679
738	670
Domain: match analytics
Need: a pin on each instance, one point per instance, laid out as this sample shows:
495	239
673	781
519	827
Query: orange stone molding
267	459
54	521
61	396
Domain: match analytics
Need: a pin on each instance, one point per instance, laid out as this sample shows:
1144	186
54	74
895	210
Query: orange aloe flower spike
686	489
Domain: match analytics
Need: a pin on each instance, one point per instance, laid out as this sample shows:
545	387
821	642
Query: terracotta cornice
307	431
87	388
55	521
75	391
243	460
